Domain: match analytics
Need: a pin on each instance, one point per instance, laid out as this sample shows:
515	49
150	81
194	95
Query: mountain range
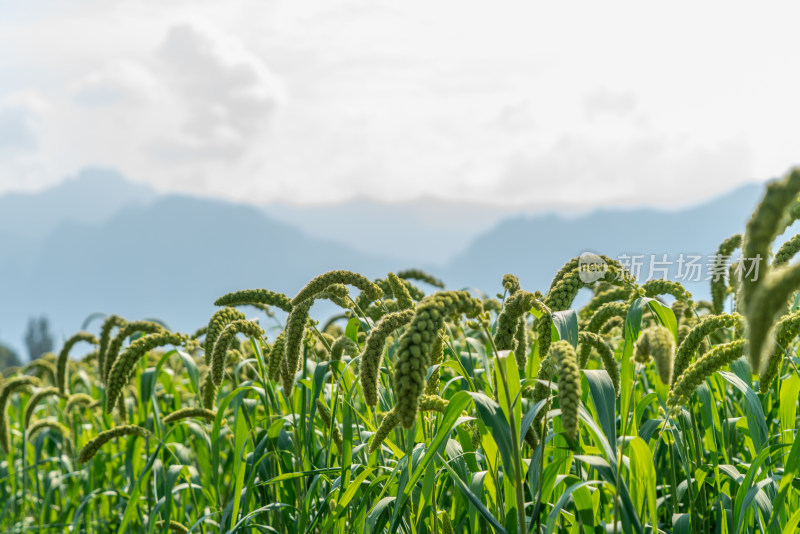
100	243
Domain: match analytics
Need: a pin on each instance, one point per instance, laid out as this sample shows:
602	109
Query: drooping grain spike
90	449
321	282
223	344
63	357
373	352
255	296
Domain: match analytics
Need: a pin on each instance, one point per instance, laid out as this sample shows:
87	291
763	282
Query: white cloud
328	99
20	123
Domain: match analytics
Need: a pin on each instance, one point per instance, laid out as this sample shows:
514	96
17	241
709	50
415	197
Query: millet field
421	410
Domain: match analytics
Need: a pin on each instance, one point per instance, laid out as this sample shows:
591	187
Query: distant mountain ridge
101	243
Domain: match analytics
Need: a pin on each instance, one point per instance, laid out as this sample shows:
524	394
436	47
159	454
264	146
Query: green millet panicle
63	357
218	321
694	375
611	324
416	343
696	335
174	526
787	251
768	301
344	345
325	414
321	283
110	322
125	331
42	368
200	332
36	398
655	288
609	295
427	403
276	355
400	292
223	344
447	526
293	342
589	340
372	357
511	283
605	313
338	294
208	391
569	385
492	305
658	343
90	449
437	356
785	331
8	388
125	365
767	221
50	424
415	292
510	321
76	400
719	290
187	413
521	344
422	276
255	296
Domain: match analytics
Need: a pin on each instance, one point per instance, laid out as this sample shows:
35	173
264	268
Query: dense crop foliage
641	411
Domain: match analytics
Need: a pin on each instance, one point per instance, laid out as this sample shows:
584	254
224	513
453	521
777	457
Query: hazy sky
314	101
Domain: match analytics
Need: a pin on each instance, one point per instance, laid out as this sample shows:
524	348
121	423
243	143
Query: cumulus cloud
120	82
229	93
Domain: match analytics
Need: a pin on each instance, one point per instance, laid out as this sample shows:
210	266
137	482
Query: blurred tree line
38	340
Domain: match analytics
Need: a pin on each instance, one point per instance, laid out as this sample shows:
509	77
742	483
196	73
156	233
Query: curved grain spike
277	353
658	343
321	282
589	340
413	354
422	276
43	424
110	322
707	326
562	294
186	413
255	296
90	449
63	357
293	343
76	400
8	388
400	292
223	343
36	398
785	331
437	356
611	324
200	332
325	414
767	303
606	312
125	365
508	323
343	345
127	330
427	403
41	367
569	385
787	251
511	283
208	391
373	352
694	375
655	288
338	294
767	221
613	294
217	322
719	290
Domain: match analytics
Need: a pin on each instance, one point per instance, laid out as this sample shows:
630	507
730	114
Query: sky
305	101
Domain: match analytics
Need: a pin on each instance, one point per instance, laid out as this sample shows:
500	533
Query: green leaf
643	476
351	330
566	324
604	398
